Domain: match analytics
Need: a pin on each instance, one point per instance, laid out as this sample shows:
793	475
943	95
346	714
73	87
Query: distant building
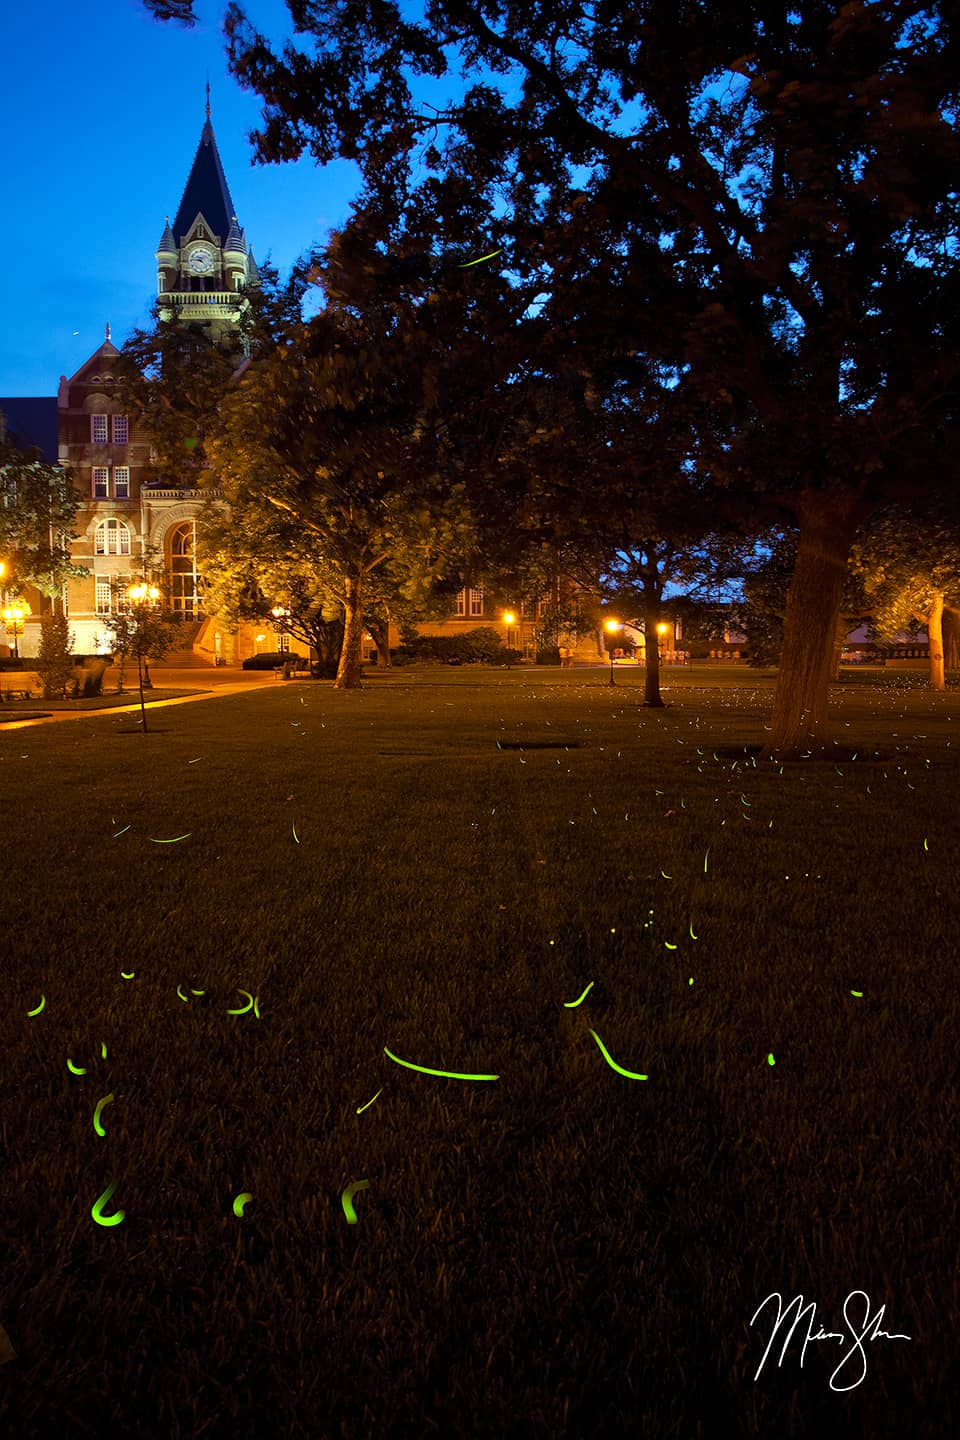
204	265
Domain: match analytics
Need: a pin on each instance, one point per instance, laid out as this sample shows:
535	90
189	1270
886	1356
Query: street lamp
13	617
508	619
142	596
611	627
661	631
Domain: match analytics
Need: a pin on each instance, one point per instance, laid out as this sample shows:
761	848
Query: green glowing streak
369	1102
925	845
630	1074
858	993
665	875
481	259
447	1074
173	841
690	981
43	1001
742	801
198	992
96	1114
98	1205
244	1008
770	826
240	1201
346	1199
256	1006
103	1049
123	831
182	996
705	860
295	835
669	946
75	1069
125	975
572	1004
692	936
770	1059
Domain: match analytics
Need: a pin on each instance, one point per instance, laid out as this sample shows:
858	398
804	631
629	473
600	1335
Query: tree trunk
827	527
651	685
935	637
381	638
839	641
351	651
951	638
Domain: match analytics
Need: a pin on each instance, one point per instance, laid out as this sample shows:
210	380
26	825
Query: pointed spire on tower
108	330
206	192
208	94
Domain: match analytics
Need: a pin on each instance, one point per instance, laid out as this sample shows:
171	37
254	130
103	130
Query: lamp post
142	596
611	627
508	619
661	631
14	616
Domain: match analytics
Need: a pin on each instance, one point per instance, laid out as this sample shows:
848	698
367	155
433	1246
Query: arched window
184	581
112	538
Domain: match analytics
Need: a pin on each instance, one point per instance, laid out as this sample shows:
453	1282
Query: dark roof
206	191
167	243
236	240
32	421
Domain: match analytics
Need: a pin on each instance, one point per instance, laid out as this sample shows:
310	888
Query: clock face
200	262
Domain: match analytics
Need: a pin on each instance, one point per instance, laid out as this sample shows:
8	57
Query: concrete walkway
208	682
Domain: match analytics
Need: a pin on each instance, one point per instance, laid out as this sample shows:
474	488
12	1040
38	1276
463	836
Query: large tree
38	507
910	569
773	187
338	429
173	374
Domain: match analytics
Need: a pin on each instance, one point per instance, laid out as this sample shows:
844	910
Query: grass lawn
492	874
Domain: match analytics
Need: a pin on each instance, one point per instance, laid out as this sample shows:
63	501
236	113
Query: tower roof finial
108	330
208	95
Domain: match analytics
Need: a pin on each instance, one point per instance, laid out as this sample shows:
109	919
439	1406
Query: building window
112	538
476	602
121	430
103	594
98	429
461	602
101	481
184	581
121	482
283	644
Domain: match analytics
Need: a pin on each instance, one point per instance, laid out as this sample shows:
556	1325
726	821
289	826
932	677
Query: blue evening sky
101	111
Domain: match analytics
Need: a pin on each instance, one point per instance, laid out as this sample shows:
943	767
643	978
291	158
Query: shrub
548	655
54	664
93	677
483	645
273	659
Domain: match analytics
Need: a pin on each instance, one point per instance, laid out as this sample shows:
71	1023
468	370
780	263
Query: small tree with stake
140	629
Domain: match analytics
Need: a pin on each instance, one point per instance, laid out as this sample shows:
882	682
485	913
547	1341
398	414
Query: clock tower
203	261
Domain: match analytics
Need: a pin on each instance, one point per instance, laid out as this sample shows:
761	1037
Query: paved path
209	684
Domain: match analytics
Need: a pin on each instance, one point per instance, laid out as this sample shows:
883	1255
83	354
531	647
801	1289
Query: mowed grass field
439	866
